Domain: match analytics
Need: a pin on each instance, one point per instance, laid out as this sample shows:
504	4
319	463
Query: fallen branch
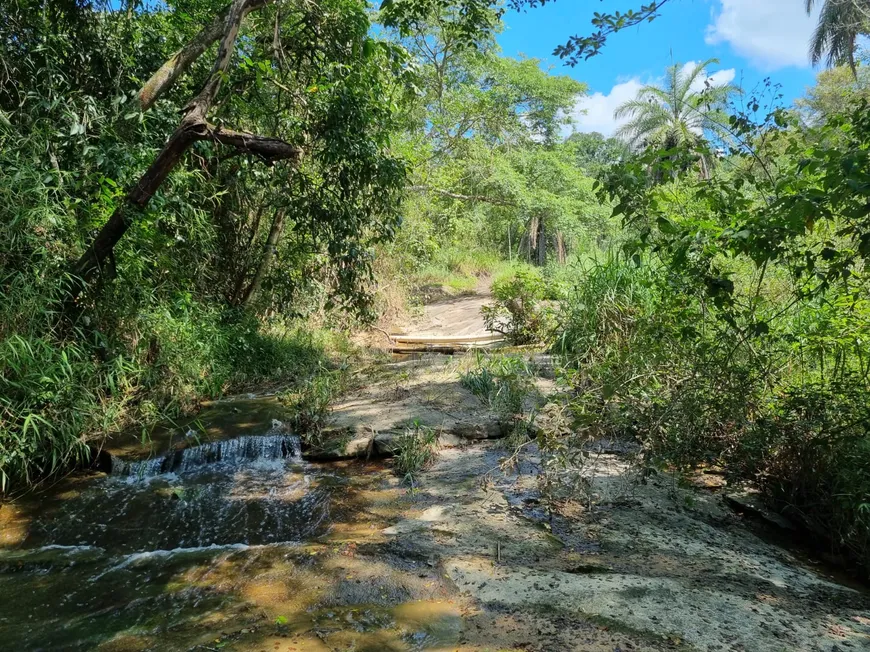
269	149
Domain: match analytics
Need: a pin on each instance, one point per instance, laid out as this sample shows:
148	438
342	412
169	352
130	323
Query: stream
229	540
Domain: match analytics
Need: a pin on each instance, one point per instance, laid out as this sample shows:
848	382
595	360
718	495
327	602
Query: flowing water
222	537
235	544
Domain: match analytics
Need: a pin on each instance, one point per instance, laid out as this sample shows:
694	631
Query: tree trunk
163	79
193	127
91	263
541	250
268	254
561	251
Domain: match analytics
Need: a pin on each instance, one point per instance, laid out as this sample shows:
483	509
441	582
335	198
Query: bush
809	451
59	394
501	383
519	311
310	402
786	406
53	395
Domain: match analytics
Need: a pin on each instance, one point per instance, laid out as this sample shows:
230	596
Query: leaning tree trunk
268	255
166	75
193	127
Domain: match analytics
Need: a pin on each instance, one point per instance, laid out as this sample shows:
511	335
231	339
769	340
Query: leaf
368	48
666	226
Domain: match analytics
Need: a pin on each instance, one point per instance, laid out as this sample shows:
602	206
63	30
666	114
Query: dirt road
454	321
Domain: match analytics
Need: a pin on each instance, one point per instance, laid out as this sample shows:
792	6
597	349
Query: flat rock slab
670	568
424	392
451	318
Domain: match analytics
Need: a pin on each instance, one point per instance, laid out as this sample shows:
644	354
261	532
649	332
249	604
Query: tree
841	22
476	15
484	142
835	89
595	152
680	113
297	81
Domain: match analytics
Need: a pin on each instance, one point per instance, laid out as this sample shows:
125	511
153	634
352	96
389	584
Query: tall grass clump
416	449
784	406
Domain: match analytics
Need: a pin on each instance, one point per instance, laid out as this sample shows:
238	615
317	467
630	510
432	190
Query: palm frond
835	36
673	113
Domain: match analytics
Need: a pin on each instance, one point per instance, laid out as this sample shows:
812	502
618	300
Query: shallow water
225	542
240	552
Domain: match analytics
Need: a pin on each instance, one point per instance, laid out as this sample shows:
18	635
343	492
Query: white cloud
595	112
772	34
718	78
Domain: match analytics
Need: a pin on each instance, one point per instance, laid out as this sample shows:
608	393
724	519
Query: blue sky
753	40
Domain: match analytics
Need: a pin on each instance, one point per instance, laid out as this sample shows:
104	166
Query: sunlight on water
236	541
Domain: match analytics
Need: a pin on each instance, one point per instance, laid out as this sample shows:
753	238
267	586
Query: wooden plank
447	339
441	348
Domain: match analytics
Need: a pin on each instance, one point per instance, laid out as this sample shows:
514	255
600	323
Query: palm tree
674	114
840	24
678	113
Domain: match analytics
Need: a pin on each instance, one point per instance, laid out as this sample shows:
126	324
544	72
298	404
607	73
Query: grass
60	394
647	359
309	402
460	272
500	382
416	450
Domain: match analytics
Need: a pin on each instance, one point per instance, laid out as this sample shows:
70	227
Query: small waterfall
271	446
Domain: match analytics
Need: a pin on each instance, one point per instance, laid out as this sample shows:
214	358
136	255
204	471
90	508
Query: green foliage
416	449
470	17
489	171
675	115
310	401
518	310
49	397
732	328
836	88
198	297
502	383
840	24
594	153
56	398
811	449
765	410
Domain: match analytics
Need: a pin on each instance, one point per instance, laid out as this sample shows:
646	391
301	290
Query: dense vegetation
185	210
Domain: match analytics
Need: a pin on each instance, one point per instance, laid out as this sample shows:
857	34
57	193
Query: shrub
52	397
310	402
784	406
809	451
519	311
501	383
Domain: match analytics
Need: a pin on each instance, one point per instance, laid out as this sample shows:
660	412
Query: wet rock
385	443
341	445
751	502
489	429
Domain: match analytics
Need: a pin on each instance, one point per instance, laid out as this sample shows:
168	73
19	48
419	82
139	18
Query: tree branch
162	80
269	149
193	127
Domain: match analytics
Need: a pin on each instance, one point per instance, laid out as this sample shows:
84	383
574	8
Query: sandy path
458	317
